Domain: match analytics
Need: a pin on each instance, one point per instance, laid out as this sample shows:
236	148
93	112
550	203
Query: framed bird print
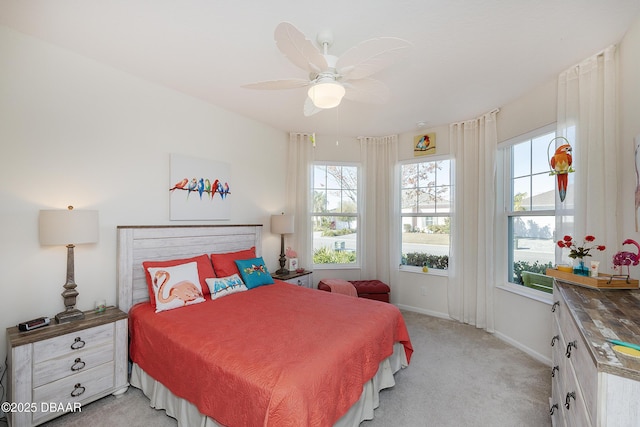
199	189
424	144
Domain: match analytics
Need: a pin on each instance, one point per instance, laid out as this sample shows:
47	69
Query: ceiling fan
332	78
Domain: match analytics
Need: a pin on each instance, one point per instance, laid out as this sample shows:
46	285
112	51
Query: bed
273	355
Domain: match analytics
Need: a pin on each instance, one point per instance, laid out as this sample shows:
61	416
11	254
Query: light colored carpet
459	376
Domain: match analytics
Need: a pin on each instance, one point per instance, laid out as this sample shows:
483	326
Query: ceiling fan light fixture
327	94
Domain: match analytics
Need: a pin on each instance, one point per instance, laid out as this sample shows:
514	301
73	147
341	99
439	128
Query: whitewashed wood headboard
158	243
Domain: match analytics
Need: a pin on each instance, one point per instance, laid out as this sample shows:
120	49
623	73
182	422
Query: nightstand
57	368
301	279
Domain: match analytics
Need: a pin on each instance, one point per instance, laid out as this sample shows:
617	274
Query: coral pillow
224	264
175	287
254	273
204	270
222	286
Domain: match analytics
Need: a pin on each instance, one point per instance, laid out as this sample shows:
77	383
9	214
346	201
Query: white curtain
587	118
472	268
299	161
379	219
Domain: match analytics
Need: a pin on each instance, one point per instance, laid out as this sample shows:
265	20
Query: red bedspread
277	355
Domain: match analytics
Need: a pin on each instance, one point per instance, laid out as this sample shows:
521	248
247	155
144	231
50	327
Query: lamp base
70	315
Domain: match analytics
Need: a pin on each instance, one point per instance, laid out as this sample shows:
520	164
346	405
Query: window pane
409	175
427	201
334	239
425	241
320	177
521	192
532	247
544	196
521	159
319	201
409	200
540	157
443	173
444	199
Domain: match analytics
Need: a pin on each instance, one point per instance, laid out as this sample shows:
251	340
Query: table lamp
282	224
68	227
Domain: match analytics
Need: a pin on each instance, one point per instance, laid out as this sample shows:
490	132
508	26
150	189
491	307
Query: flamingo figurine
627	258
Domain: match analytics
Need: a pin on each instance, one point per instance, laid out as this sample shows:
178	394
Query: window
530	207
425	208
334	215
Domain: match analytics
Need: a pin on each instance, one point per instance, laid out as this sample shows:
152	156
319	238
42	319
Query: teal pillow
254	273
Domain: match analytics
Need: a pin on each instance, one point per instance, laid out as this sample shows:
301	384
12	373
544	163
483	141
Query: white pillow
176	286
222	286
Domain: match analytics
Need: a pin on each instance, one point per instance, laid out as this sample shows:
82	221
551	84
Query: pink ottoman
371	289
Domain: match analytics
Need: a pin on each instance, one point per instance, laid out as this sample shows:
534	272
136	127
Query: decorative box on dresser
304	278
54	369
592	385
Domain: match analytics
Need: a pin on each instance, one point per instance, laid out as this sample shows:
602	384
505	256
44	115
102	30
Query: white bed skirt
188	415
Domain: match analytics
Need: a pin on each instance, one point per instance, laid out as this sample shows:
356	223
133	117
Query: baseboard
423	311
537	356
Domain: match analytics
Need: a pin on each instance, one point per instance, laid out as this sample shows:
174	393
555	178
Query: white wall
73	131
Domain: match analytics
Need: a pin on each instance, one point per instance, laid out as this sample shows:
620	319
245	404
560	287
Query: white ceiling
468	56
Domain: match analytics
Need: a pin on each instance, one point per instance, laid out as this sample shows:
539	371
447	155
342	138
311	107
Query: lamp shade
326	94
64	227
282	224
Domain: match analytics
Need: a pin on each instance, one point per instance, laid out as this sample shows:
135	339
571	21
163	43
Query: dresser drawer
77	388
71	364
304	281
73	342
579	357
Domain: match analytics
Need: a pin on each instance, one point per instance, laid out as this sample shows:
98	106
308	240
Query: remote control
34	324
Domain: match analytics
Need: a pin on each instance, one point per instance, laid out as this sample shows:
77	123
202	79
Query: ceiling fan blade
309	108
278	84
371	56
367	90
298	49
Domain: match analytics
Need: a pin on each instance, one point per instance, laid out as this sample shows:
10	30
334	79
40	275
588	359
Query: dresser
304	278
58	368
592	385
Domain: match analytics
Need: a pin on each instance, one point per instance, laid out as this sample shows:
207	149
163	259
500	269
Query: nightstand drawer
77	388
71	364
73	342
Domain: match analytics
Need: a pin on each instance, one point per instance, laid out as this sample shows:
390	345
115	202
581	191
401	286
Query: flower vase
580	268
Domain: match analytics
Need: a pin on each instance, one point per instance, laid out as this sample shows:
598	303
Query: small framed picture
293	264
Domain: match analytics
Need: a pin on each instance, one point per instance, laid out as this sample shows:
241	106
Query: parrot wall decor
560	164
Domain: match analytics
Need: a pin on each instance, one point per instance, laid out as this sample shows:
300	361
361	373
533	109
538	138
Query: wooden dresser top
16	337
602	315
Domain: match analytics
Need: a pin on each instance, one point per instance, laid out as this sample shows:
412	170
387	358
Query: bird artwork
180	185
626	258
200	187
207	187
191	186
561	166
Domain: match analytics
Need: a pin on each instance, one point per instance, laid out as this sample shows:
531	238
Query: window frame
401	215
357	215
504	198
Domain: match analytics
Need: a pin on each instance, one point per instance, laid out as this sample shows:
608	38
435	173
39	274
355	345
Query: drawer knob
77	344
569	346
553	307
554	339
553	409
78	364
554	370
78	389
567	400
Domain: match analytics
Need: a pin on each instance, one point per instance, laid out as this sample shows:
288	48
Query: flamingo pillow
175	287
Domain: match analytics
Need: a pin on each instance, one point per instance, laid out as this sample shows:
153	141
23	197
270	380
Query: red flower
579	251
